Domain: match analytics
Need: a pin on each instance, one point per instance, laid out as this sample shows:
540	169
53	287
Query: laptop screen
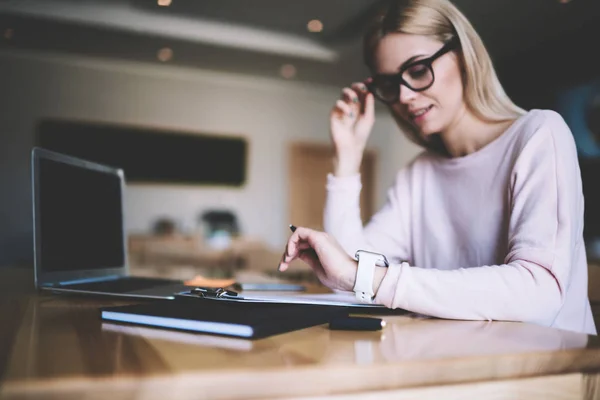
81	218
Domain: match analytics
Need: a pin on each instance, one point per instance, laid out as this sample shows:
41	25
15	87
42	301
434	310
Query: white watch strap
363	287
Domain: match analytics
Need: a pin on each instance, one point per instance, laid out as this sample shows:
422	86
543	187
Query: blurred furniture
220	220
56	347
164	227
308	168
184	256
219	227
164	251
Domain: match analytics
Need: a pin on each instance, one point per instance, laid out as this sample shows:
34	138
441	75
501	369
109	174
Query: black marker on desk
357	324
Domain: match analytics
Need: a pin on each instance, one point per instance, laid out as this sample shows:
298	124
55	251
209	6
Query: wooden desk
54	347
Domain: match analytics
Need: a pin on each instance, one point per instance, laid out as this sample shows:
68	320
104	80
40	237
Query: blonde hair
440	19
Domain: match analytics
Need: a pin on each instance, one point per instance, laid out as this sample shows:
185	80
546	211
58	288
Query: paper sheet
345	299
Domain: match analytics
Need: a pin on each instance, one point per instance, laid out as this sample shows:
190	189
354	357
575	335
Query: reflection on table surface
69	332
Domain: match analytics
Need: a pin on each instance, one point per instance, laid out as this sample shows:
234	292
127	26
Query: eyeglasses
417	76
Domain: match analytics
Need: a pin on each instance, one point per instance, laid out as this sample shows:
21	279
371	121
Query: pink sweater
494	235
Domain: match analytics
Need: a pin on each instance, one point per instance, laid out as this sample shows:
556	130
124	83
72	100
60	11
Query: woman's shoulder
543	130
541	122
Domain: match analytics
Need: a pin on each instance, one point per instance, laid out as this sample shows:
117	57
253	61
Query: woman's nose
406	94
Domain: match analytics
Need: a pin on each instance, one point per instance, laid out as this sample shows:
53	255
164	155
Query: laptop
80	245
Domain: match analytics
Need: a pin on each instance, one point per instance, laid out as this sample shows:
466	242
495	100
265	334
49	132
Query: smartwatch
367	261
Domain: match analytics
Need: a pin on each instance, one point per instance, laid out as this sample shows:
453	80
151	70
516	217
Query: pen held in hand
309	251
293	229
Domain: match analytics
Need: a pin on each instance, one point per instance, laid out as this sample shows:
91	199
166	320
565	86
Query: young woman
486	223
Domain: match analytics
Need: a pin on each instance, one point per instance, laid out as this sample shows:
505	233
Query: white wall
271	113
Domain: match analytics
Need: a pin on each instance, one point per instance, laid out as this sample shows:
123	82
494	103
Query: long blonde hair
440	19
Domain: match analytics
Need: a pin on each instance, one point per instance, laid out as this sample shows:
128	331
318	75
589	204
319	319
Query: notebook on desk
245	320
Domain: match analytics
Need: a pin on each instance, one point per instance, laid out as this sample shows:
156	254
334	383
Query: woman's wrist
378	278
349	279
347	166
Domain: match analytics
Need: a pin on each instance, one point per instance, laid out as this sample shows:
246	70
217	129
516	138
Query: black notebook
247	320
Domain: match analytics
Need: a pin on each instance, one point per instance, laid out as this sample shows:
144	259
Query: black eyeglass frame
450	45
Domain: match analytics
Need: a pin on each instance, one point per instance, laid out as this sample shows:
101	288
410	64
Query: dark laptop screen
81	218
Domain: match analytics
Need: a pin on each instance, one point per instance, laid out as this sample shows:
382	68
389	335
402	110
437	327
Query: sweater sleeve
545	228
388	230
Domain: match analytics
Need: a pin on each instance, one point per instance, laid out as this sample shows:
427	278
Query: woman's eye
418	71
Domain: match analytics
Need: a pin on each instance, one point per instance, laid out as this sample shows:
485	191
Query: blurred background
218	111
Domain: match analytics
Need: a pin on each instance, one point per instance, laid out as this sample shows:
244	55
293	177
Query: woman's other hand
351	122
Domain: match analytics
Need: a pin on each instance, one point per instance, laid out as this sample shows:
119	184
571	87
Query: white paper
345	299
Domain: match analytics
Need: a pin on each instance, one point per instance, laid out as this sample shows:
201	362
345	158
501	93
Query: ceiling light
564	1
288	71
165	54
314	25
8	33
164	3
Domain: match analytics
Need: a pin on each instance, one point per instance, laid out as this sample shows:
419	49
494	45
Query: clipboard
339	299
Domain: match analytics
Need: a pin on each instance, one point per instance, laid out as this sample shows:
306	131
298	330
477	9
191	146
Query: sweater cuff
393	285
345	183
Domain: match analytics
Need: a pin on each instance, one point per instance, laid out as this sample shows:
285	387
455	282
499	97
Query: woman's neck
467	134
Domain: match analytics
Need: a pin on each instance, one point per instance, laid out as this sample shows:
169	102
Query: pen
293	229
357	324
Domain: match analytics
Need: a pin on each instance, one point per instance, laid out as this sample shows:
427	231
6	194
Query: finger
359	87
350	96
308	235
369	105
301	239
294	248
309	256
344	107
287	258
302	246
362	91
343	112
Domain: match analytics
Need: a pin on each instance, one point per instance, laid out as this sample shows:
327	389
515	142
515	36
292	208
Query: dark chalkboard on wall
149	155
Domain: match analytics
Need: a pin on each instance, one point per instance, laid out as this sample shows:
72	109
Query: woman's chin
425	131
425	128
429	128
428	132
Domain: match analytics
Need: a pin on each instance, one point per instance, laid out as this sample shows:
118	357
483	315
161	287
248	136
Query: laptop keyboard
123	285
